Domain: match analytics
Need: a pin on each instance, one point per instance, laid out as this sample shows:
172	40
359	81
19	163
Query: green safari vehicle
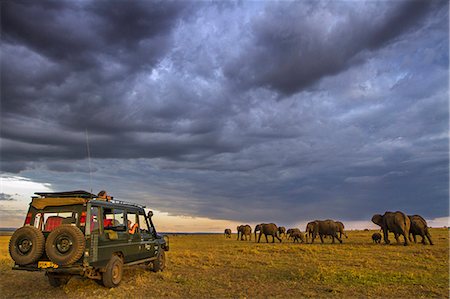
79	233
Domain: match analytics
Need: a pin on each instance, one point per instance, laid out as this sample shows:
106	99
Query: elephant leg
415	240
279	239
427	234
339	239
423	239
267	240
332	239
406	239
321	238
260	233
385	236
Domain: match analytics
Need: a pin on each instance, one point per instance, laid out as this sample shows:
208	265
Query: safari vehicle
79	233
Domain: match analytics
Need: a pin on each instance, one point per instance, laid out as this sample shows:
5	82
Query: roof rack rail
77	193
128	203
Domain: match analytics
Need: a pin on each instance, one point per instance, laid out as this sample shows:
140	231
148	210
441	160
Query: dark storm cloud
180	103
293	46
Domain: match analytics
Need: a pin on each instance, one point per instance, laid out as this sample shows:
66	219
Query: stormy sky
243	111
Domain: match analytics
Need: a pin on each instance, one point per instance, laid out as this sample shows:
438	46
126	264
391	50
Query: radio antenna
89	158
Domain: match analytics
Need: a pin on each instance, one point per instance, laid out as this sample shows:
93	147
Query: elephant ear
378	219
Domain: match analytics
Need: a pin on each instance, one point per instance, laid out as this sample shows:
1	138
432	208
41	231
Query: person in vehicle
103	196
132	228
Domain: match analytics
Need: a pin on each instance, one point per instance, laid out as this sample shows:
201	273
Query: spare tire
65	245
26	245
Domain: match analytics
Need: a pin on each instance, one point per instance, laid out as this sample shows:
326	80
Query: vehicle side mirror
150	214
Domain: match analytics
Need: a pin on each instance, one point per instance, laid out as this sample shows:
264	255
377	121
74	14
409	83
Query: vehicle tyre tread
37	239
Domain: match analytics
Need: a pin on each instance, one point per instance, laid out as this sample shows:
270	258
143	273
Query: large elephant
268	229
341	226
244	231
310	228
227	233
419	227
282	231
395	222
324	228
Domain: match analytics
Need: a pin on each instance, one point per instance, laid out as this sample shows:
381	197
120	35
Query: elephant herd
401	225
395	222
315	228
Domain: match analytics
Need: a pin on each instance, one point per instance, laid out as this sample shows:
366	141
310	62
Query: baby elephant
376	238
299	236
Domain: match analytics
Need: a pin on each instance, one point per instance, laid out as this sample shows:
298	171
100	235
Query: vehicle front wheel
57	280
160	263
113	275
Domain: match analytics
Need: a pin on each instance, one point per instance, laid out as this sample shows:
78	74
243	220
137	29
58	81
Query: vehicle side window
94	220
113	218
133	224
143	224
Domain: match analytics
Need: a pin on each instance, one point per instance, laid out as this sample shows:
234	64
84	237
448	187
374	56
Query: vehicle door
114	236
134	238
148	242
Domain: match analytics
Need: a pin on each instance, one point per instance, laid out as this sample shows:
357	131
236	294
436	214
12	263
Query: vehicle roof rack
128	203
77	193
86	195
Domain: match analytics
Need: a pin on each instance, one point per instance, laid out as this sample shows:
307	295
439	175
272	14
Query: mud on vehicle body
79	233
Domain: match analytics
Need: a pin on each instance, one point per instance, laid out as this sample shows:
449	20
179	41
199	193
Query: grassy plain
211	266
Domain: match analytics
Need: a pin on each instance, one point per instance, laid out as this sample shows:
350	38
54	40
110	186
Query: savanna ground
212	266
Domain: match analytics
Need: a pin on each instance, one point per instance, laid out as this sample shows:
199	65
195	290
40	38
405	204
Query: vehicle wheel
26	245
57	280
160	263
65	244
113	274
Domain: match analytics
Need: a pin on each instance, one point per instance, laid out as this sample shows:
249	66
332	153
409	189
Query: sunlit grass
212	266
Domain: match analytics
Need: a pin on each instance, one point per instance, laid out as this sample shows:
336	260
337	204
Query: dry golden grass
212	266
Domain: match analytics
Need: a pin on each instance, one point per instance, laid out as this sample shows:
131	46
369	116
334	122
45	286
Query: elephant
376	238
419	227
227	233
268	229
282	231
290	231
324	228
310	228
243	231
395	222
298	235
340	226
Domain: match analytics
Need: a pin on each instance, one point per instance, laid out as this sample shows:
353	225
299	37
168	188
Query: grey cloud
7	197
363	129
293	45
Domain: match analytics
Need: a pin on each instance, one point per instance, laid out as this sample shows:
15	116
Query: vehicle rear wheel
160	263
57	280
26	245
113	275
65	245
